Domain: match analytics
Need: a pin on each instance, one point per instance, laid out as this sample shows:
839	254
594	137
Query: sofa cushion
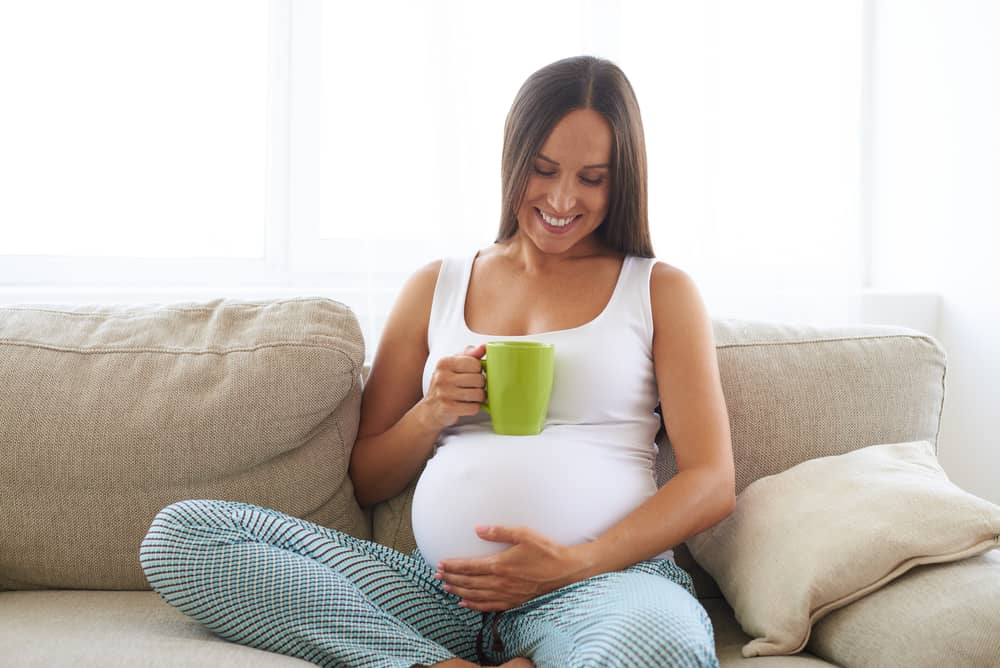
935	615
112	413
730	639
115	629
826	532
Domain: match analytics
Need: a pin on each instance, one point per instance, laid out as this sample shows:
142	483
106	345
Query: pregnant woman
552	549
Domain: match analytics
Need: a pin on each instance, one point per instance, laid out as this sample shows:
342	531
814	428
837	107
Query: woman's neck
520	250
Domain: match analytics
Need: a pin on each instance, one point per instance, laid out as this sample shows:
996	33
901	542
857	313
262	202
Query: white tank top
593	462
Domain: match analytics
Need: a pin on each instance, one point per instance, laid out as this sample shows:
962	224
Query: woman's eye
592	182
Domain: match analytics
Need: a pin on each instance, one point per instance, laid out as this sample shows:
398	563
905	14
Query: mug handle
486	404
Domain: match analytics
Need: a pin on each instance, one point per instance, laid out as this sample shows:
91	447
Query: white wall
936	203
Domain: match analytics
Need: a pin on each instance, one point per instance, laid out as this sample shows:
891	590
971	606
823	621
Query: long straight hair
581	82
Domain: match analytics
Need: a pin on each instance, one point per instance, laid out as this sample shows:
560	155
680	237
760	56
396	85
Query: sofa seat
74	627
108	629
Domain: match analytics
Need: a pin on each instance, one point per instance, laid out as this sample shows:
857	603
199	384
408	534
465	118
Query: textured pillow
934	615
110	413
830	530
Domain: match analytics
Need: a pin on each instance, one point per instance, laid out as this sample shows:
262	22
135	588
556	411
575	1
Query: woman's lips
552	228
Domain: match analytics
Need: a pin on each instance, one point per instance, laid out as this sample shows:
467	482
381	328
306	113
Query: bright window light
134	128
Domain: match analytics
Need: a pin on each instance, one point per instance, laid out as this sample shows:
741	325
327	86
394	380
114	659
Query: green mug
518	385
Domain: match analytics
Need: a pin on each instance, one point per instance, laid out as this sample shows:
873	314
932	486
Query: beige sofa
109	413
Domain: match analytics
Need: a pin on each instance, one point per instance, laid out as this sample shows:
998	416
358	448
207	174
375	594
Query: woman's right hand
457	387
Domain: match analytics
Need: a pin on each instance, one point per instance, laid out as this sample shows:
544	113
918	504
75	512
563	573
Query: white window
134	129
251	148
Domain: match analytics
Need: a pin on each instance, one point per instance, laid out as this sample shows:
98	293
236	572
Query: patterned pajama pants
262	578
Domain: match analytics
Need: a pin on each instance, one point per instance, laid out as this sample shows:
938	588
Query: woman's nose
562	196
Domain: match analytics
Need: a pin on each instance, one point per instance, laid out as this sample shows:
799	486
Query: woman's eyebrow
603	164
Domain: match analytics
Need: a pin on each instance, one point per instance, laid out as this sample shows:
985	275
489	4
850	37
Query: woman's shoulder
673	293
417	293
669	284
665	273
420	285
428	272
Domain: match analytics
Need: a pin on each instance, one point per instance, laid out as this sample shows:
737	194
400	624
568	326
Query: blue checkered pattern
262	578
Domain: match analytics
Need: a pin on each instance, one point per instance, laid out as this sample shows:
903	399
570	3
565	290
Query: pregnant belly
569	492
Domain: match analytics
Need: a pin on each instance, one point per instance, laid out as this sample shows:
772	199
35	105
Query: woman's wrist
586	560
426	420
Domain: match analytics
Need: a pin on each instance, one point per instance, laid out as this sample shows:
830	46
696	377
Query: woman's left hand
533	565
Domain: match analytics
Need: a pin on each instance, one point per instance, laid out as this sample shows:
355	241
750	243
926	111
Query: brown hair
581	82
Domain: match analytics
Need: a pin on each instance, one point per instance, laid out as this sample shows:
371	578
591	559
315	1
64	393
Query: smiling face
568	188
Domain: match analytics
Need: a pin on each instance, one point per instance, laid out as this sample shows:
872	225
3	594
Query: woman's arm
399	425
394	437
694	410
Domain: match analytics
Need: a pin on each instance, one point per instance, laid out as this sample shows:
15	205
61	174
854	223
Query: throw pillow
830	530
934	615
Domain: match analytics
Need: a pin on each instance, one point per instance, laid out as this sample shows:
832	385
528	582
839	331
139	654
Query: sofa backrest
796	392
793	392
112	413
109	414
